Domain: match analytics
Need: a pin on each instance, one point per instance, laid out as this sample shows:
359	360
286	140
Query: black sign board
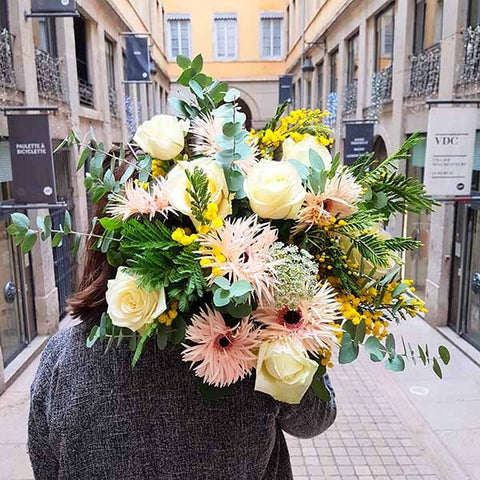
285	88
53	6
358	141
138	59
32	161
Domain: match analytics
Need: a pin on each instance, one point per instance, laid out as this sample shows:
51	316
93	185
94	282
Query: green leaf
230	129
239	310
57	239
115	258
320	390
231	95
399	289
390	343
316	160
93	336
381	200
302	169
67	223
221	298
162	339
138	351
396	364
178	335
83	157
197	63
348	350
222	282
127	174
21	221
111	223
360	333
76	244
444	354
375	349
437	369
132	343
179	106
423	357
196	89
29	241
183	62
240	287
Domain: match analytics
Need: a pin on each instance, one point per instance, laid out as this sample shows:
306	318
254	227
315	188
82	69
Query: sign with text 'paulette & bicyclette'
32	160
450	149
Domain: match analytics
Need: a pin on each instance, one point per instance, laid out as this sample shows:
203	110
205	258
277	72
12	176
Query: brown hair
88	303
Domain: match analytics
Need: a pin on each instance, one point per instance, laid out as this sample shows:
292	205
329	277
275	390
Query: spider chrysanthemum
221	355
241	250
136	200
338	200
312	322
205	129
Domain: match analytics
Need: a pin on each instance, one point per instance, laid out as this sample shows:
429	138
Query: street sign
450	149
358	141
53	6
32	160
285	88
138	59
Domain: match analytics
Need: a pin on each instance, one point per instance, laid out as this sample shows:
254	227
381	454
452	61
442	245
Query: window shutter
277	37
5	162
185	37
266	47
225	36
231	38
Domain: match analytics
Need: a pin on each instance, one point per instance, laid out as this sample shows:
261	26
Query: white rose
274	189
162	137
130	306
177	184
284	370
300	151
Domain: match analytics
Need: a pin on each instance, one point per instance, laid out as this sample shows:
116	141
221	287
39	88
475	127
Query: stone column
46	294
364	71
342	82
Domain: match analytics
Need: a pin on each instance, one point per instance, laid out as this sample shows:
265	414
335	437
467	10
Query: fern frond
198	192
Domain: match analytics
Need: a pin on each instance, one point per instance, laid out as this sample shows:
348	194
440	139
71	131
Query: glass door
472	278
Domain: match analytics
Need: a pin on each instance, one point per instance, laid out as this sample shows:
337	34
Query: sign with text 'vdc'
32	160
138	59
53	6
358	141
450	148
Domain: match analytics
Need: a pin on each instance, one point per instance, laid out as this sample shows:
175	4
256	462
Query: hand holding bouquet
252	250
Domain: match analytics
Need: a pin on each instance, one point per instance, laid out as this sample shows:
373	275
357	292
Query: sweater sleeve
42	456
311	417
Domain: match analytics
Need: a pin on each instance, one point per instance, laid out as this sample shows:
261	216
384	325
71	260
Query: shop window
179	35
271	35
225	36
384	32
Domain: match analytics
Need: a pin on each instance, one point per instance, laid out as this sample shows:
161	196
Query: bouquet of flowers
249	250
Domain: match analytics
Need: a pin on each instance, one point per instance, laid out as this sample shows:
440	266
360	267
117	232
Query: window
179	33
45	35
110	58
287	24
272	25
225	36
334	71
352	72
3	15
384	31
474	13
320	85
439	21
419	26
308	100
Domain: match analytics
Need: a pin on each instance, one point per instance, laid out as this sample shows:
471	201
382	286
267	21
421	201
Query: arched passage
248	113
380	149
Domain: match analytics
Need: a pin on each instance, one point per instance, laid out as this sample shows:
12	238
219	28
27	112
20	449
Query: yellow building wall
248	63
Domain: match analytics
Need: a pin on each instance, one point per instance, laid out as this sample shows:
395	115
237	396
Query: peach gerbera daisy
136	200
338	200
313	322
240	250
223	354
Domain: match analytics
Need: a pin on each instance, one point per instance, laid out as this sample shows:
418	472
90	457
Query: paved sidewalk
408	426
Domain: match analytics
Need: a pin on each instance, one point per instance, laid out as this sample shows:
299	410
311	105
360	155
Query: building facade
77	65
242	43
384	61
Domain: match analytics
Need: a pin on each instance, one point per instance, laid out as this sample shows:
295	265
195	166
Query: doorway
464	315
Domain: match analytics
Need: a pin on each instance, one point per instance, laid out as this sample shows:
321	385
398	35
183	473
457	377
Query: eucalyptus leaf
437	369
221	298
316	160
183	62
222	282
444	354
396	364
240	287
29	241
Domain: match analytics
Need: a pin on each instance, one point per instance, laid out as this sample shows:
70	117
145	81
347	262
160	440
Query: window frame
177	18
265	16
419	27
228	17
320	83
110	61
333	67
355	36
382	12
4	17
470	12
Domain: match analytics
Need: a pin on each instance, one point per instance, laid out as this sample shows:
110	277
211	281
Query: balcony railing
381	91
129	116
49	79
470	69
425	73
85	93
113	102
350	98
7	72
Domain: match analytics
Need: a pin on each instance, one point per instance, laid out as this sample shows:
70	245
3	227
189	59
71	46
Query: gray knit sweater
93	417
